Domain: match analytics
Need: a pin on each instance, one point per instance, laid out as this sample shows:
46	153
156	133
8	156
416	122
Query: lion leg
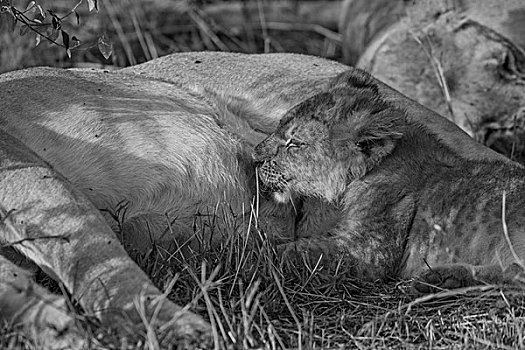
337	253
54	225
312	249
464	275
44	316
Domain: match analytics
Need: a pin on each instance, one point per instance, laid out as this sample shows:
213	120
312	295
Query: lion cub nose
265	150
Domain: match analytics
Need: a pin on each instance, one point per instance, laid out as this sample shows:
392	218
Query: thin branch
438	71
506	231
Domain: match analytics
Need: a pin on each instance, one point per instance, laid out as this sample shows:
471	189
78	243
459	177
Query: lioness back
263	87
269	84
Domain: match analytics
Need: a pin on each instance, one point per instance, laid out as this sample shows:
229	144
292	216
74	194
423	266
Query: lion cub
401	198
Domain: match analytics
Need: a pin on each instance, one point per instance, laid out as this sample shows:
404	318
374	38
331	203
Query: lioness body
400	195
151	147
73	141
464	60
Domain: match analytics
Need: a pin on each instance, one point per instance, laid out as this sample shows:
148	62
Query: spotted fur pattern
402	199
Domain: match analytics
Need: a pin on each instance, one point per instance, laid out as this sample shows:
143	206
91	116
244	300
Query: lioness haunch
400	196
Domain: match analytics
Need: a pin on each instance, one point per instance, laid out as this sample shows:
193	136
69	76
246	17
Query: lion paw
191	328
51	327
444	277
301	250
171	324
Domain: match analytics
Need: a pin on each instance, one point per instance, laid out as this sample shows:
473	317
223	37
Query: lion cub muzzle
271	177
269	173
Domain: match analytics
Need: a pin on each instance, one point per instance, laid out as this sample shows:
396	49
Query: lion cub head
328	140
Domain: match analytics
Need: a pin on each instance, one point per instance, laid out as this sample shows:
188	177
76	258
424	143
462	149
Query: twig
120	33
264	27
289	306
140	36
438	71
204	285
316	28
491	345
198	18
5	219
32	239
506	231
446	294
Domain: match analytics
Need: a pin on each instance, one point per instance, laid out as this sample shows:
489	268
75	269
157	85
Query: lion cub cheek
326	180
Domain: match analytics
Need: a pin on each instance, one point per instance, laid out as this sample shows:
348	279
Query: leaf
38	38
75	41
53	35
42	13
56	23
105	47
65	39
30	5
24	29
92	4
40	17
30	9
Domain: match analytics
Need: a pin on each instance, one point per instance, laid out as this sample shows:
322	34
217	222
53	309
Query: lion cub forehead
302	129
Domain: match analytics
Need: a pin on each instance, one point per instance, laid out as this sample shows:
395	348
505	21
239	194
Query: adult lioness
74	141
463	59
401	197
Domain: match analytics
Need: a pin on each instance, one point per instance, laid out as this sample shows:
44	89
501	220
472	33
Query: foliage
47	24
138	31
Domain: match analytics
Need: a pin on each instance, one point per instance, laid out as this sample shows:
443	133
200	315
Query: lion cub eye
291	143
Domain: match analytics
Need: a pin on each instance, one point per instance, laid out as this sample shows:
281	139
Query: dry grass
254	299
138	33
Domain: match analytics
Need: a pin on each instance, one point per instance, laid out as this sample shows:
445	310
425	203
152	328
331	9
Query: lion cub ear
364	132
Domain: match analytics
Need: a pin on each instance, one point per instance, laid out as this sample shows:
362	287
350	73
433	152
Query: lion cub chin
400	201
282	197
